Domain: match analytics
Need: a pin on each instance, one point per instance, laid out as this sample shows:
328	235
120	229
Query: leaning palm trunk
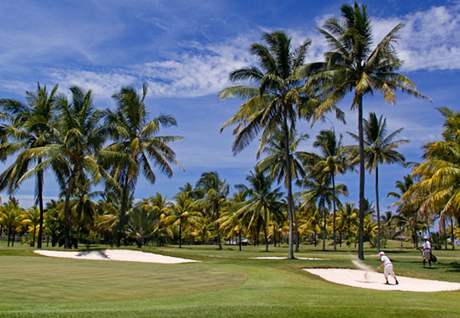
377	205
361	179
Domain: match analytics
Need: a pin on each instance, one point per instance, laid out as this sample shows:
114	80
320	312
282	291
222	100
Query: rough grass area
226	284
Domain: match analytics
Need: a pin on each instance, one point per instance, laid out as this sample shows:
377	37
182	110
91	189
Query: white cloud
430	40
102	84
201	73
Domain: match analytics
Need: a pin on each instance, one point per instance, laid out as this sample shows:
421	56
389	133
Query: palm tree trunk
40	206
289	189
334	235
123	209
68	219
415	235
324	229
445	233
217	215
452	235
265	229
361	179
240	243
180	234
34	235
377	205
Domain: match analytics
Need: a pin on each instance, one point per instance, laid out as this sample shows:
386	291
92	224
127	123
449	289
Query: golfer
426	251
387	268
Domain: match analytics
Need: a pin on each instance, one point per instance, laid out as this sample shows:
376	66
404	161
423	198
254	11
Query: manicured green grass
226	283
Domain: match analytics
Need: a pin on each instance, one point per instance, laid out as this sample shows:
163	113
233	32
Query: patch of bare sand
116	255
373	280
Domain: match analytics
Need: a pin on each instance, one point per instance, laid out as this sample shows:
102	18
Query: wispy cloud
429	40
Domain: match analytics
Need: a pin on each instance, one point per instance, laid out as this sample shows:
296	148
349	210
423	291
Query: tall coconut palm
332	161
379	148
27	126
274	162
353	65
272	101
319	191
74	156
214	191
136	146
78	136
263	204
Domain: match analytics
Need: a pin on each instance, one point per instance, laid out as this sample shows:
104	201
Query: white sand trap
117	255
357	278
282	257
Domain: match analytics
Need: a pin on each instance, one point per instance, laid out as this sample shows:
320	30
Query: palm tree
30	126
320	192
142	222
214	191
272	104
331	162
10	219
379	148
31	219
231	222
348	214
354	66
407	208
74	156
263	204
274	162
184	210
438	189
136	146
310	221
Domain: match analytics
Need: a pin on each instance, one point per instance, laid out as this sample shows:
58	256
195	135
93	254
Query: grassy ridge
225	284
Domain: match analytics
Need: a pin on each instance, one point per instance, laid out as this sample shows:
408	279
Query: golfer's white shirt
427	245
386	261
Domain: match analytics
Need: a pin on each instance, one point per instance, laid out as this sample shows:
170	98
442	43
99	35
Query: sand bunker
282	257
117	255
373	280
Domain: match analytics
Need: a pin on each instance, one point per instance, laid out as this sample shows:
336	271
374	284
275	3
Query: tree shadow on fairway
454	267
100	253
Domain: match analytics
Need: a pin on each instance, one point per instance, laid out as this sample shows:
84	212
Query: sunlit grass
227	283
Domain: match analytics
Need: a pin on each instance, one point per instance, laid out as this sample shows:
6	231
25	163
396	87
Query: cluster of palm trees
281	90
432	191
83	146
291	196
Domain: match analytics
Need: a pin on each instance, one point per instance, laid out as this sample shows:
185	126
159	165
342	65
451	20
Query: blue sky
184	50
